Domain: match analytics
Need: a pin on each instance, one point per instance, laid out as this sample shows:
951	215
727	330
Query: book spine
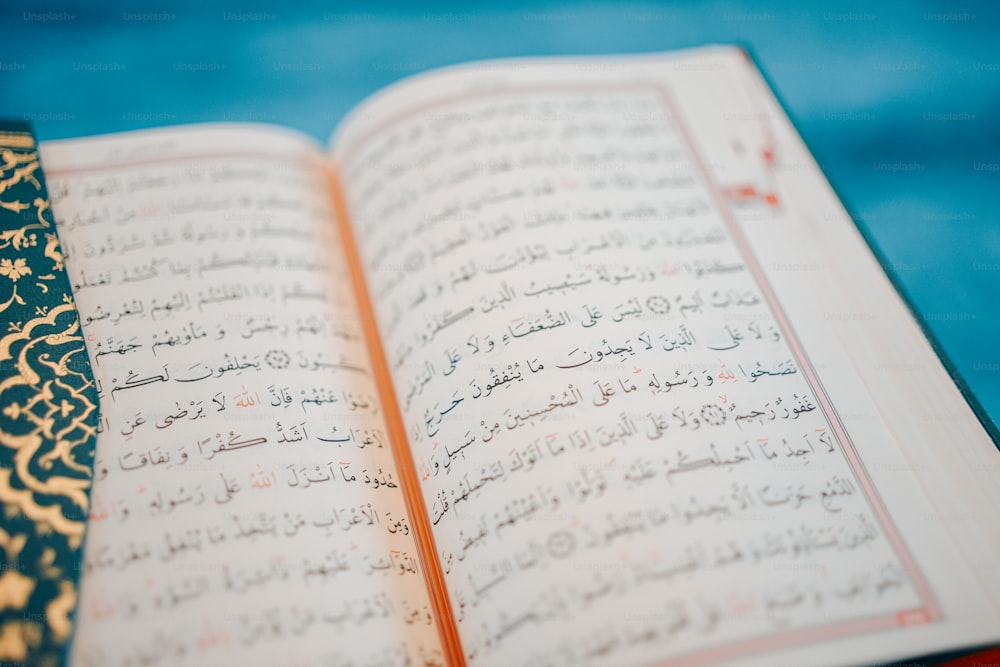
407	470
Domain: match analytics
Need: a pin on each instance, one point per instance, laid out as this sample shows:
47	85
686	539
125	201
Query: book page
245	506
627	451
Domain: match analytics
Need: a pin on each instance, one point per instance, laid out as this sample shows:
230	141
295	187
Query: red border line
835	423
170	159
380	127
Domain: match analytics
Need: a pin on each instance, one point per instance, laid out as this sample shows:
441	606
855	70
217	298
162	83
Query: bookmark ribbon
48	417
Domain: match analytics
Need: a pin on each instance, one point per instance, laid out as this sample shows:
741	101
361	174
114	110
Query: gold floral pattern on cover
48	418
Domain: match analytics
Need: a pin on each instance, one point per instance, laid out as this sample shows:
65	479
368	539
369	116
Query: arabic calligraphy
245	504
604	412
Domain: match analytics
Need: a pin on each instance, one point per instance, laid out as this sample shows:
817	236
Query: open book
569	361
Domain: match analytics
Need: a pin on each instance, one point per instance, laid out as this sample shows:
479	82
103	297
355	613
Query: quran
563	361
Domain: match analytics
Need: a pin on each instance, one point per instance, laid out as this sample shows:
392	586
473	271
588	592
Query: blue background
866	84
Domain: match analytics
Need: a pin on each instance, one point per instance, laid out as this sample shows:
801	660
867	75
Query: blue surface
867	86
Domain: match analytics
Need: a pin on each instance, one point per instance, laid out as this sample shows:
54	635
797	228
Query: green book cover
48	417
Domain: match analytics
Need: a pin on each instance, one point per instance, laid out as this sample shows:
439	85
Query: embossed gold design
57	612
16	638
17	140
48	419
15	589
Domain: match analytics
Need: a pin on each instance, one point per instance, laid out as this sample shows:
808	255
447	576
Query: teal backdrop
865	83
